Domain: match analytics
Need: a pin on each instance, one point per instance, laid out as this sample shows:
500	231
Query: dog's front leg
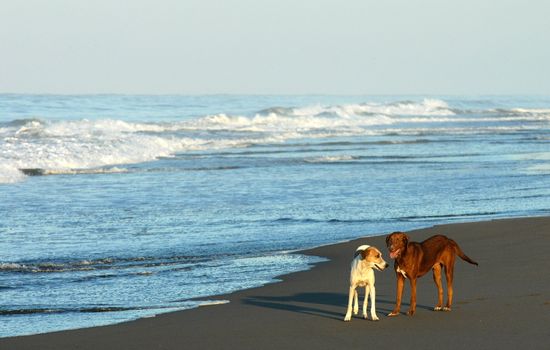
366	301
412	308
350	303
400	285
373	304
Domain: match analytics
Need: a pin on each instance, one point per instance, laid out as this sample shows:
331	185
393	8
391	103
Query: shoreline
502	303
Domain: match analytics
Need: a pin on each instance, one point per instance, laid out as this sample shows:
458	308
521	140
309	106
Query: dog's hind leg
355	302
437	280
366	301
449	271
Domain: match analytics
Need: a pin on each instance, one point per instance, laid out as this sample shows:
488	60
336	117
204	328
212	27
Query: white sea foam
107	170
538	169
331	159
531	110
94	147
213	302
104	145
431	107
9	173
12	266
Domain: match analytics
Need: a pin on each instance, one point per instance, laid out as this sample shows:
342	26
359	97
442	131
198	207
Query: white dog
362	275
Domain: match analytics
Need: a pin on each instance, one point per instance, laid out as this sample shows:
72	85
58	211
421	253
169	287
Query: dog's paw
365	316
446	308
393	314
375	318
411	312
438	308
355	311
347	318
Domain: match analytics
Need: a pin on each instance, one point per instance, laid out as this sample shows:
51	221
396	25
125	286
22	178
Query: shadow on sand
328	305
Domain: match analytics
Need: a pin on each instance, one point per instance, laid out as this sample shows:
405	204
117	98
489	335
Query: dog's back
436	245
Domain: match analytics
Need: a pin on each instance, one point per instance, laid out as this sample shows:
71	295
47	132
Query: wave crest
99	146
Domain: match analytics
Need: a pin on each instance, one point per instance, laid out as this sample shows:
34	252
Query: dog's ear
406	239
388	239
365	253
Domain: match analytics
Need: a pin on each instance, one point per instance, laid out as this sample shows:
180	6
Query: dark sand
502	304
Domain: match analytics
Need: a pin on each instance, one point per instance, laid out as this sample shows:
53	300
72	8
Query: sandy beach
502	304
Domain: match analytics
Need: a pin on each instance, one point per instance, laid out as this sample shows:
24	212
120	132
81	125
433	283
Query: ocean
117	207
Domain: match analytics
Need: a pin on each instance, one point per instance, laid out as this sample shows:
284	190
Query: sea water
116	207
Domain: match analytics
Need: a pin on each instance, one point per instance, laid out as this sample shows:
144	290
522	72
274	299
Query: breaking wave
46	147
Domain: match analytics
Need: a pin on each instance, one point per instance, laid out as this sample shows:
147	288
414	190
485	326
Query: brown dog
413	260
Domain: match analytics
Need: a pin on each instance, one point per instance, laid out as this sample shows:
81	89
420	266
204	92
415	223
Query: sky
464	47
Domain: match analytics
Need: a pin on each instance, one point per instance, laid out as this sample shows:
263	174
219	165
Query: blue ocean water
116	207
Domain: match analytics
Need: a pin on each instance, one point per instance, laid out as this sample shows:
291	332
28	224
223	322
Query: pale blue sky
275	47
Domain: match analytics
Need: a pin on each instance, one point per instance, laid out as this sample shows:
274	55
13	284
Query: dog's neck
400	259
403	252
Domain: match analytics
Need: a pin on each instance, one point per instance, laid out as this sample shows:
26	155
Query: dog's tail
461	254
